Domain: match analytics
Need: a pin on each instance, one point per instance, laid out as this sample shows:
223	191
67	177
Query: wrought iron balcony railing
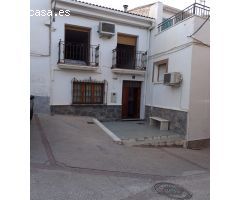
124	59
194	9
78	53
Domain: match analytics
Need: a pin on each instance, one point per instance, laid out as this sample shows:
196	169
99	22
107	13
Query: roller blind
127	40
77	28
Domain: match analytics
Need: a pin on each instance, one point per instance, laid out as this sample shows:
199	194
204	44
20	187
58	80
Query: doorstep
132	119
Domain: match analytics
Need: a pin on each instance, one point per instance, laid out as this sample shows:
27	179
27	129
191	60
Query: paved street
73	159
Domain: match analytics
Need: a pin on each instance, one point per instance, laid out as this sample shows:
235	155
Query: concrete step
161	141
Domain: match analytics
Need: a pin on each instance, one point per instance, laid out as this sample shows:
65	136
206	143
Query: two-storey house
113	64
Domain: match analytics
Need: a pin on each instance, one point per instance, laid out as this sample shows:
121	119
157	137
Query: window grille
87	92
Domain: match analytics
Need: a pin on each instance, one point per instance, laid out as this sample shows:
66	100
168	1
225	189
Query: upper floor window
159	69
77	44
126	51
166	23
126	56
75	48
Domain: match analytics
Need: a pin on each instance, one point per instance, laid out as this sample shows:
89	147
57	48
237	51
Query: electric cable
199	28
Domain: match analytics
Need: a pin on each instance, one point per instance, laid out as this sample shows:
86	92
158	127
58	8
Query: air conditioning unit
106	29
172	79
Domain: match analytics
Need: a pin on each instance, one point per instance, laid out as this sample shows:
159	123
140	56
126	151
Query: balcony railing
194	9
123	59
78	54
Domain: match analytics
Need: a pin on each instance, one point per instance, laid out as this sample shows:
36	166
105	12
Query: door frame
126	84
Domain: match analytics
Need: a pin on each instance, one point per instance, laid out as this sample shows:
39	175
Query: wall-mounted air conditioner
172	79
106	29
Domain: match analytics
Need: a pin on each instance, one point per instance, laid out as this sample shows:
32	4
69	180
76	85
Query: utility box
113	97
106	29
172	79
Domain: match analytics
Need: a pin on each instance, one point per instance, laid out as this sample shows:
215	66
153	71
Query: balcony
129	61
78	56
194	9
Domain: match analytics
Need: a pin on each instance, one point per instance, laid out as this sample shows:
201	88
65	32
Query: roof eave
170	9
103	14
105	9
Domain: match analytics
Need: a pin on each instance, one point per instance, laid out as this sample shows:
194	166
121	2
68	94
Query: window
166	23
159	69
77	45
126	51
87	92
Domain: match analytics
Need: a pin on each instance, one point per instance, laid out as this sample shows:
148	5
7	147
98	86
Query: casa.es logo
42	13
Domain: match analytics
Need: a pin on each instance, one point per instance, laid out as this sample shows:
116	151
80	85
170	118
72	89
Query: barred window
87	92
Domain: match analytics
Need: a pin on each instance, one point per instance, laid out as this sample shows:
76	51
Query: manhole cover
90	122
172	191
140	123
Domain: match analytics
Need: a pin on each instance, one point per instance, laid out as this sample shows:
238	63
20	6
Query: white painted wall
61	80
174	45
39	76
172	37
199	110
163	96
204	33
193	62
39	49
156	11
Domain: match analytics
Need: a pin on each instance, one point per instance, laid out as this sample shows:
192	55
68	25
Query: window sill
76	67
157	83
128	71
90	104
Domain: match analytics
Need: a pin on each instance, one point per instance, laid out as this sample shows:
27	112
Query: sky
118	4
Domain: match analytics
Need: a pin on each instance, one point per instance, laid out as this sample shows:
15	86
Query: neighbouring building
152	60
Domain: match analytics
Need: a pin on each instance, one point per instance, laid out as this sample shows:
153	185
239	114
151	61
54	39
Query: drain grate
140	123
172	191
90	122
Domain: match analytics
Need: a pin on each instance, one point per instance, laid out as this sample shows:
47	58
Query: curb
107	131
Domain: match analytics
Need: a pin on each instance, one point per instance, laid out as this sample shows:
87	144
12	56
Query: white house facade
111	64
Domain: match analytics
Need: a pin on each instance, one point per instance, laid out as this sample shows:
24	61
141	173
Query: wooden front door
131	95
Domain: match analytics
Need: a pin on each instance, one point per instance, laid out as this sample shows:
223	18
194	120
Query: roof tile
91	4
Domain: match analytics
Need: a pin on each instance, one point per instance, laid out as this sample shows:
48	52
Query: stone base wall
198	144
178	119
101	112
41	104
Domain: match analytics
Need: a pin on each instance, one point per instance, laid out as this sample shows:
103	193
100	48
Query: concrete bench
163	123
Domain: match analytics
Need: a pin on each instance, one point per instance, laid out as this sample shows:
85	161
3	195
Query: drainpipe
49	25
146	75
151	92
52	6
50	68
148	53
